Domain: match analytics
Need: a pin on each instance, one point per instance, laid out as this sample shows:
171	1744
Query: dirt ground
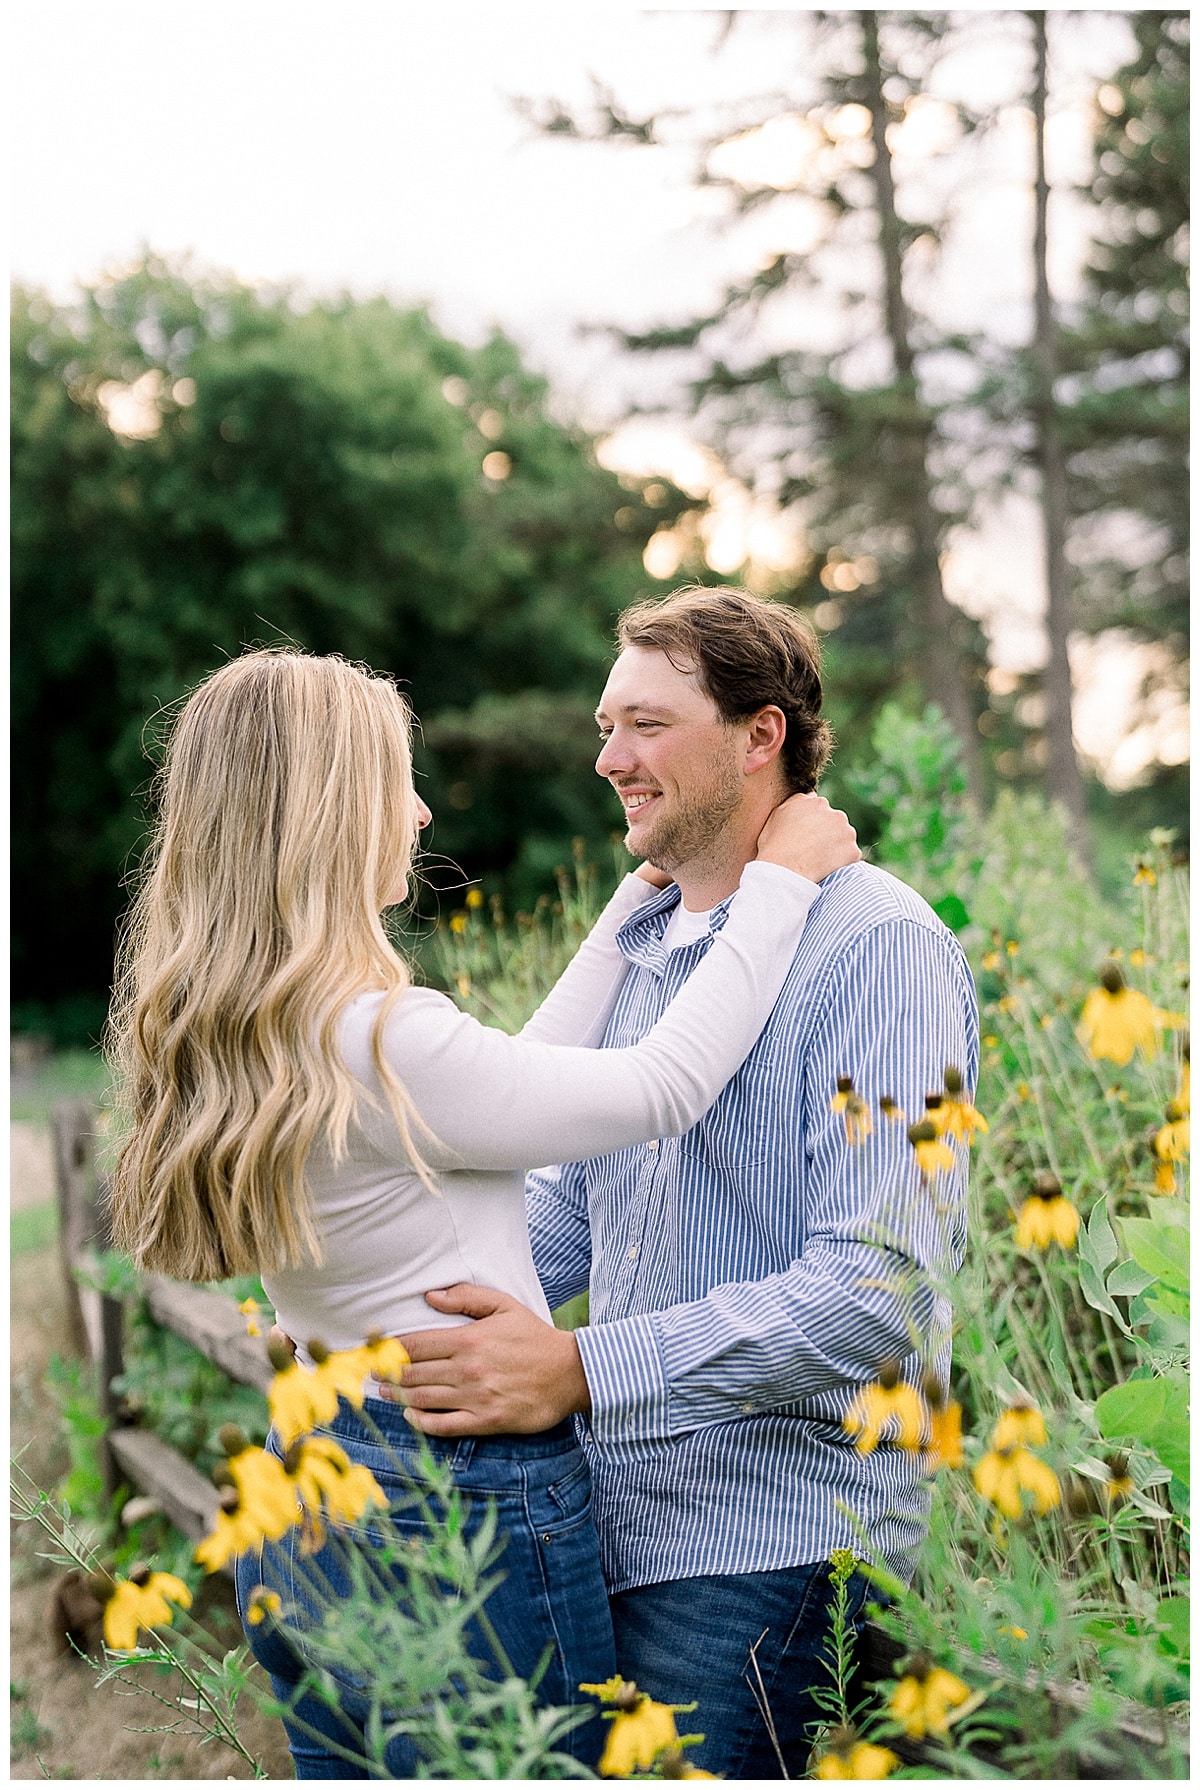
63	1723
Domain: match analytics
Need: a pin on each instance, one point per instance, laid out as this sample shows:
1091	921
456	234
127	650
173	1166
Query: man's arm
900	1008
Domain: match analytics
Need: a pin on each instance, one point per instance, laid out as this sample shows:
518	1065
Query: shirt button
653	1144
631	1252
747	1410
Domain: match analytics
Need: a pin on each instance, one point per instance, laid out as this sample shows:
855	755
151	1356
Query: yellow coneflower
991	961
1008	1003
1144	874
641	1728
263	1604
853	1107
674	1764
931	1153
298	1399
458	923
1047	1217
1004	1473
1138	960
1020	1425
1118	1486
925	1698
1117	1020
1011	1629
474	898
1174	1140
1012	947
887	1400
1164	1178
937	1111
962	1118
945	1425
846	1757
257	1501
326	1480
141	1601
891	1112
463	985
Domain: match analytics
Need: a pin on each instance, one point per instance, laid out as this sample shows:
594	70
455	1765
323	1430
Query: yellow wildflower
891	1112
1118	1485
960	1117
1144	873
1164	1178
877	1405
1174	1141
937	1111
1024	1091
298	1399
637	1737
931	1153
249	1309
1047	1217
474	898
458	923
1007	1003
140	1601
1117	1020
846	1757
945	1424
925	1697
1020	1425
463	985
1004	1473
990	1040
257	1503
1137	960
991	961
674	1764
1012	947
262	1603
1011	1629
854	1107
325	1479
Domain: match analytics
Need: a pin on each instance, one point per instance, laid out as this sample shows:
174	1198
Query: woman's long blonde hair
287	820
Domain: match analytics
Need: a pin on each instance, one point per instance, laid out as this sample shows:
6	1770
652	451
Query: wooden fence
213	1324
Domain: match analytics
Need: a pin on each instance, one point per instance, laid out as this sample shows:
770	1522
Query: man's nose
613	757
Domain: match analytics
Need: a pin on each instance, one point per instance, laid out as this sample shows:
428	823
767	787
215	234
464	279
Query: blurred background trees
196	468
199	465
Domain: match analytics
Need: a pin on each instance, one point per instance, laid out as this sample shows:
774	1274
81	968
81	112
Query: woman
298	1109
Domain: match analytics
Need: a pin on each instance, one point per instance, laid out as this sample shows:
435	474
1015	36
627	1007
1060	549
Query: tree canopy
198	467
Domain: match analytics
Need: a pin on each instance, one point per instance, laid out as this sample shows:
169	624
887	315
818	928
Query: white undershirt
684	927
498	1106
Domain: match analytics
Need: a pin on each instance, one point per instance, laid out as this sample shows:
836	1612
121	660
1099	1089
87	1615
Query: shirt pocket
743	1124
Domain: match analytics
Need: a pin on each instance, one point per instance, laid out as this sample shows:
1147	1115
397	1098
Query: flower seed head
221	1476
933	1101
232	1439
953	1079
228	1499
628	1697
1118	1465
139	1574
1047	1187
845	1084
924	1132
319	1352
1111	979
889	1374
279	1355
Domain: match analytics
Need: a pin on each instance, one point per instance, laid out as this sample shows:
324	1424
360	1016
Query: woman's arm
580	1004
497	1102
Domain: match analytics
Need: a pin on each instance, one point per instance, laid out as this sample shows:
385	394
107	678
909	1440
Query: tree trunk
942	658
1063	781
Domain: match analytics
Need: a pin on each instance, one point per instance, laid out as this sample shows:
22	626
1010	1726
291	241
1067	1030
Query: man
748	1279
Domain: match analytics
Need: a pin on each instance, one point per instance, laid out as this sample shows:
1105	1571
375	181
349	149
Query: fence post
73	1129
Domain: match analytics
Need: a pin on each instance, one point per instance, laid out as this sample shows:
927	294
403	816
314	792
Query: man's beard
696	822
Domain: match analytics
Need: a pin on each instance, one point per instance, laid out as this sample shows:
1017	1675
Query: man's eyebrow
641	708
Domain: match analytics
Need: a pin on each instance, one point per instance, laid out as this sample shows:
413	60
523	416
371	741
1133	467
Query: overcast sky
373	144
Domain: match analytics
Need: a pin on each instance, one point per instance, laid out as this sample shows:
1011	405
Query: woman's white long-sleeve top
498	1105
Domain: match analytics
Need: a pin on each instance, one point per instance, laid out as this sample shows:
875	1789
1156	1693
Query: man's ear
765	734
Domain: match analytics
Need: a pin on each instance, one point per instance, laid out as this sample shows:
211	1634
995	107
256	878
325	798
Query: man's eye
643	726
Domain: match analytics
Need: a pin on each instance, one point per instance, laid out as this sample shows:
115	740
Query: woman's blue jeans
551	1591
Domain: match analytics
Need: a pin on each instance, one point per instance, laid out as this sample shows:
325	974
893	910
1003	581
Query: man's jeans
689	1641
552	1589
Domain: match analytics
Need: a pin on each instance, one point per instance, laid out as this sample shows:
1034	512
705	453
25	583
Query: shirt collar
640	937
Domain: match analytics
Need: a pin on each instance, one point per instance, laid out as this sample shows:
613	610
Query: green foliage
336	474
182	1396
915	782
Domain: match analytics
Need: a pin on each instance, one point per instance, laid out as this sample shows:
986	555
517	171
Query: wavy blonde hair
287	820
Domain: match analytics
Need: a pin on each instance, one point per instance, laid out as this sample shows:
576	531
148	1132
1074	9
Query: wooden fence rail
213	1324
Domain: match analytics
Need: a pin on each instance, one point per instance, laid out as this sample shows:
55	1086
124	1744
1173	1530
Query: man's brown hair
745	653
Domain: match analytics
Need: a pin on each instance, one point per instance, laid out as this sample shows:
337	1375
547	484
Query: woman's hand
658	879
806	835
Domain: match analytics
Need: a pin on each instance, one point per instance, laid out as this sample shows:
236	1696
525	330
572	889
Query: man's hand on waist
509	1372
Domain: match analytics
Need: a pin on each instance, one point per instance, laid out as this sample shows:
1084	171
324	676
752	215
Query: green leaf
951	910
1097	1242
1171	1443
1133	1409
1161	1249
1127	1279
1174	1617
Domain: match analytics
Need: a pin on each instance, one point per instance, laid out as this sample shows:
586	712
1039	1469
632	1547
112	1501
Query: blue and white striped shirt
747	1278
